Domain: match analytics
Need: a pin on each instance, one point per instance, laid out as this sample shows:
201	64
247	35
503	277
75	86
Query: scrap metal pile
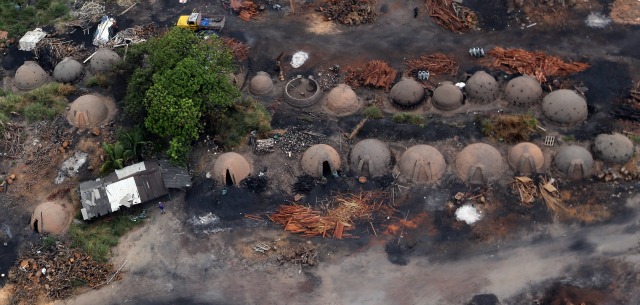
435	64
239	49
50	51
350	12
89	13
341	215
536	64
451	15
246	9
376	73
137	34
55	272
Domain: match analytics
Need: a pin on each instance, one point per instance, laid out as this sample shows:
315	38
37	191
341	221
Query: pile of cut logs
451	15
376	73
436	63
246	9
239	49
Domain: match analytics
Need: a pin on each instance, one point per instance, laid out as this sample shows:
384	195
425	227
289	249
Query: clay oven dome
320	160
68	70
564	107
614	148
50	217
523	91
87	111
341	100
479	163
30	76
230	168
302	91
447	97
526	158
574	161
370	157
422	164
482	88
103	60
261	84
407	93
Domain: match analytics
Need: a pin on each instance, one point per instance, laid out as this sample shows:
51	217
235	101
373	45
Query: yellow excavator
198	22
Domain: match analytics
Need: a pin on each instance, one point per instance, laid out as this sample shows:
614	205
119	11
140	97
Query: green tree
116	156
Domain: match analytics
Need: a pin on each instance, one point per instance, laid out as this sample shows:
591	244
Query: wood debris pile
55	272
528	192
48	138
246	9
12	141
89	13
137	34
630	109
50	51
302	255
350	12
344	212
436	64
239	49
452	15
536	64
376	73
510	128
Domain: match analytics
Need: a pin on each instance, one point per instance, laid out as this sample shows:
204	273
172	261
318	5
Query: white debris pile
468	214
298	59
597	20
71	166
207	219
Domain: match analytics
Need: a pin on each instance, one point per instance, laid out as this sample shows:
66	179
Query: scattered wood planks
436	64
451	15
246	9
537	64
376	73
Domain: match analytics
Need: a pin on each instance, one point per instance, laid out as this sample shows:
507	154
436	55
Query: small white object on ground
597	20
468	214
460	85
44	271
298	59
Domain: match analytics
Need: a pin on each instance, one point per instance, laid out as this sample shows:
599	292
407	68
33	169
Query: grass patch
568	138
408	118
49	241
98	237
19	16
98	80
510	128
234	126
372	112
43	103
635	138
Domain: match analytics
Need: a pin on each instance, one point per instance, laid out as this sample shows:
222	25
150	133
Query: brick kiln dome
526	158
68	70
565	107
574	161
482	88
370	157
407	93
320	160
30	76
447	97
261	84
50	217
231	168
103	60
341	100
422	164
87	111
479	163
523	91
614	148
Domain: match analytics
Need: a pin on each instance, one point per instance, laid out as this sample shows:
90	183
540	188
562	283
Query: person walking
161	206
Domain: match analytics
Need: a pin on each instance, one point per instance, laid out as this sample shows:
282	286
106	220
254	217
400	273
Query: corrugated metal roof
123	193
174	177
150	186
130	170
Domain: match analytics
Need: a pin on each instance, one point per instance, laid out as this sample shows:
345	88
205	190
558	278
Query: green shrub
100	80
568	138
234	126
20	16
373	112
410	118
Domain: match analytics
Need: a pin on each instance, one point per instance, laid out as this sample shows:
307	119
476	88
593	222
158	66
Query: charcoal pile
350	12
297	139
306	255
384	181
55	272
256	184
304	184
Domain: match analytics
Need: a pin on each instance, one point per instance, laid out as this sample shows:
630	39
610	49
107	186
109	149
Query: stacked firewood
436	64
451	15
376	73
56	272
536	64
350	12
239	49
246	9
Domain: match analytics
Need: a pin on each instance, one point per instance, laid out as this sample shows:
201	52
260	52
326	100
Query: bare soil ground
518	254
